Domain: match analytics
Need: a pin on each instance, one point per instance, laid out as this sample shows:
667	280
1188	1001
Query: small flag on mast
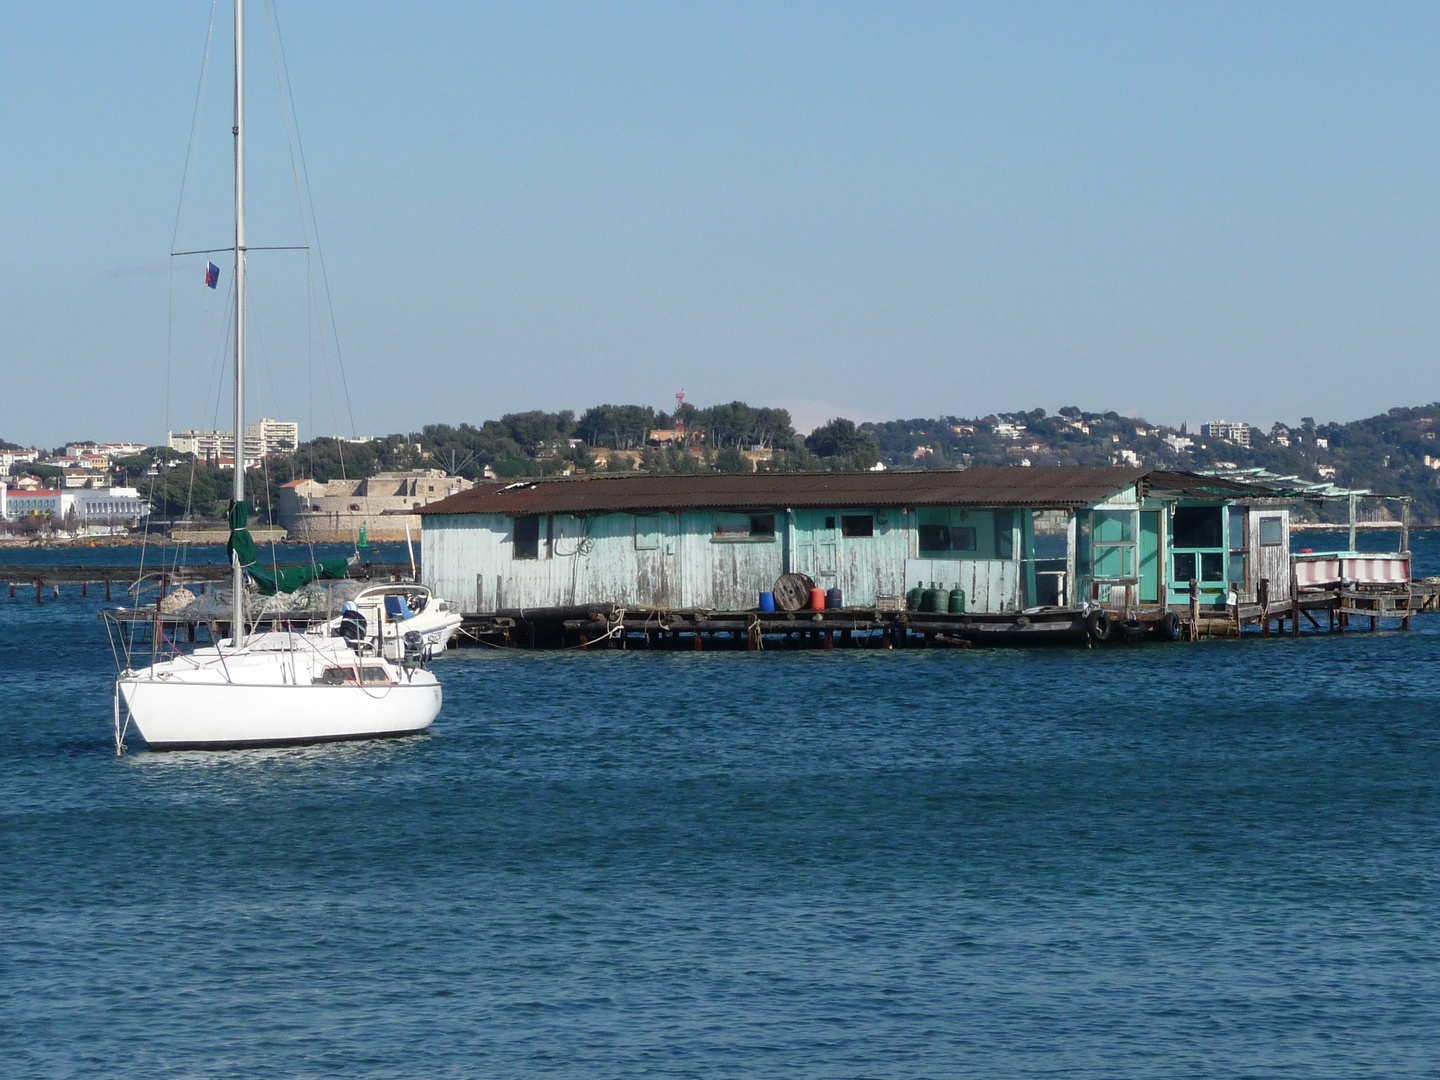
212	274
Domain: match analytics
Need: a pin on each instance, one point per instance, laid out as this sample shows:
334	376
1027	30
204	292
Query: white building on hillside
1239	434
92	506
11	458
109	450
265	436
116	505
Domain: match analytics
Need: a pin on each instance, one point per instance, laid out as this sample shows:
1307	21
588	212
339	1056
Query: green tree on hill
842	445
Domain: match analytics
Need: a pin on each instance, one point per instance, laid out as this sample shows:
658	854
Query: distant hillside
1394	453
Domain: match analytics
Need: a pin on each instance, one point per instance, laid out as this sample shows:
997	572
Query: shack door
817	545
671	562
1150	556
1197	550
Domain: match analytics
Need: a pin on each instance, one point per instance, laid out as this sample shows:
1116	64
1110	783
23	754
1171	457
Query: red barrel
817	599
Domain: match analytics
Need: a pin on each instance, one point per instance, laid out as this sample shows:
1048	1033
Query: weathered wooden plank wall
661	560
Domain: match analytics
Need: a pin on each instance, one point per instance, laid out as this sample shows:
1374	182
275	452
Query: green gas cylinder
957	601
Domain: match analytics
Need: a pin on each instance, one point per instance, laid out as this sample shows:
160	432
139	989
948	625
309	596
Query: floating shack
1052	543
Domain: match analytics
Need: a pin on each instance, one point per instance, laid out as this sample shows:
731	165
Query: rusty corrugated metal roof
1195	486
1044	487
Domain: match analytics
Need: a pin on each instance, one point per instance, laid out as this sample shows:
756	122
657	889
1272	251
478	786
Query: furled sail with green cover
275	580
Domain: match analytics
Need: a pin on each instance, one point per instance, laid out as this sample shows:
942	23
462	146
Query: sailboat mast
237	573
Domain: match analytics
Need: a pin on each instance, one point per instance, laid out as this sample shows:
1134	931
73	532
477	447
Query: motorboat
389	613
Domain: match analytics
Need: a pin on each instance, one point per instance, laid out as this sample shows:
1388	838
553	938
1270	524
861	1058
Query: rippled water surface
1209	860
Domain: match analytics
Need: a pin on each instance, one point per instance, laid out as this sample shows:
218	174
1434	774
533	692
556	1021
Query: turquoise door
1150	556
817	545
1197	551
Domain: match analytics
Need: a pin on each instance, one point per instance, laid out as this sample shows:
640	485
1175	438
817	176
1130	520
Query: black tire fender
1097	625
1132	629
1169	626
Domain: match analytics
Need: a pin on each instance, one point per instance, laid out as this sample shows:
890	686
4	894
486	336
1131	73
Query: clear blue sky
1184	211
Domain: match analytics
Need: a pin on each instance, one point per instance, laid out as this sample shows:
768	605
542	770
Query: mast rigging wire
301	174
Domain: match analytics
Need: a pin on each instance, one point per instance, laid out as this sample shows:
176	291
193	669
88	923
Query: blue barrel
833	598
767	601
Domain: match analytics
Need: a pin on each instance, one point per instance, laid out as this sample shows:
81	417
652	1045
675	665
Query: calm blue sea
1207	860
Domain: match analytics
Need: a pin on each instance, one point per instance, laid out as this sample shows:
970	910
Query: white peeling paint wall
676	560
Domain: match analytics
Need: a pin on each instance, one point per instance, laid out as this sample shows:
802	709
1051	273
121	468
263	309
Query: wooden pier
113	579
1336	609
612	626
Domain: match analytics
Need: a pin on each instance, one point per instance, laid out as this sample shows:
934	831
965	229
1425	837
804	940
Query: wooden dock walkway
1339	606
613	626
41	578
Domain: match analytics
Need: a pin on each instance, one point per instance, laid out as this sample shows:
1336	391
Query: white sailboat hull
186	716
280	689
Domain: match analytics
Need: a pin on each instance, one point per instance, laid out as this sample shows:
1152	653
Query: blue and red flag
212	274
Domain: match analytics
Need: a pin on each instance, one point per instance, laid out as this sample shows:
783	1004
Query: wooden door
1150	556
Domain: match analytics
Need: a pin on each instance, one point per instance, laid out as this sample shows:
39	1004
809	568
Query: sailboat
280	687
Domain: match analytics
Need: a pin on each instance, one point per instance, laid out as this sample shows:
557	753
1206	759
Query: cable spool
792	591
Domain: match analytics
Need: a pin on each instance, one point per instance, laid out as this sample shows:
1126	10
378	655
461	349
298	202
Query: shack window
858	525
527	538
829	523
939	539
1112	535
934	538
1211	565
1239	553
1004	534
1114	526
1239	562
732	526
1199	527
1271	534
1114	561
647	533
744	526
1184	566
1238	517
